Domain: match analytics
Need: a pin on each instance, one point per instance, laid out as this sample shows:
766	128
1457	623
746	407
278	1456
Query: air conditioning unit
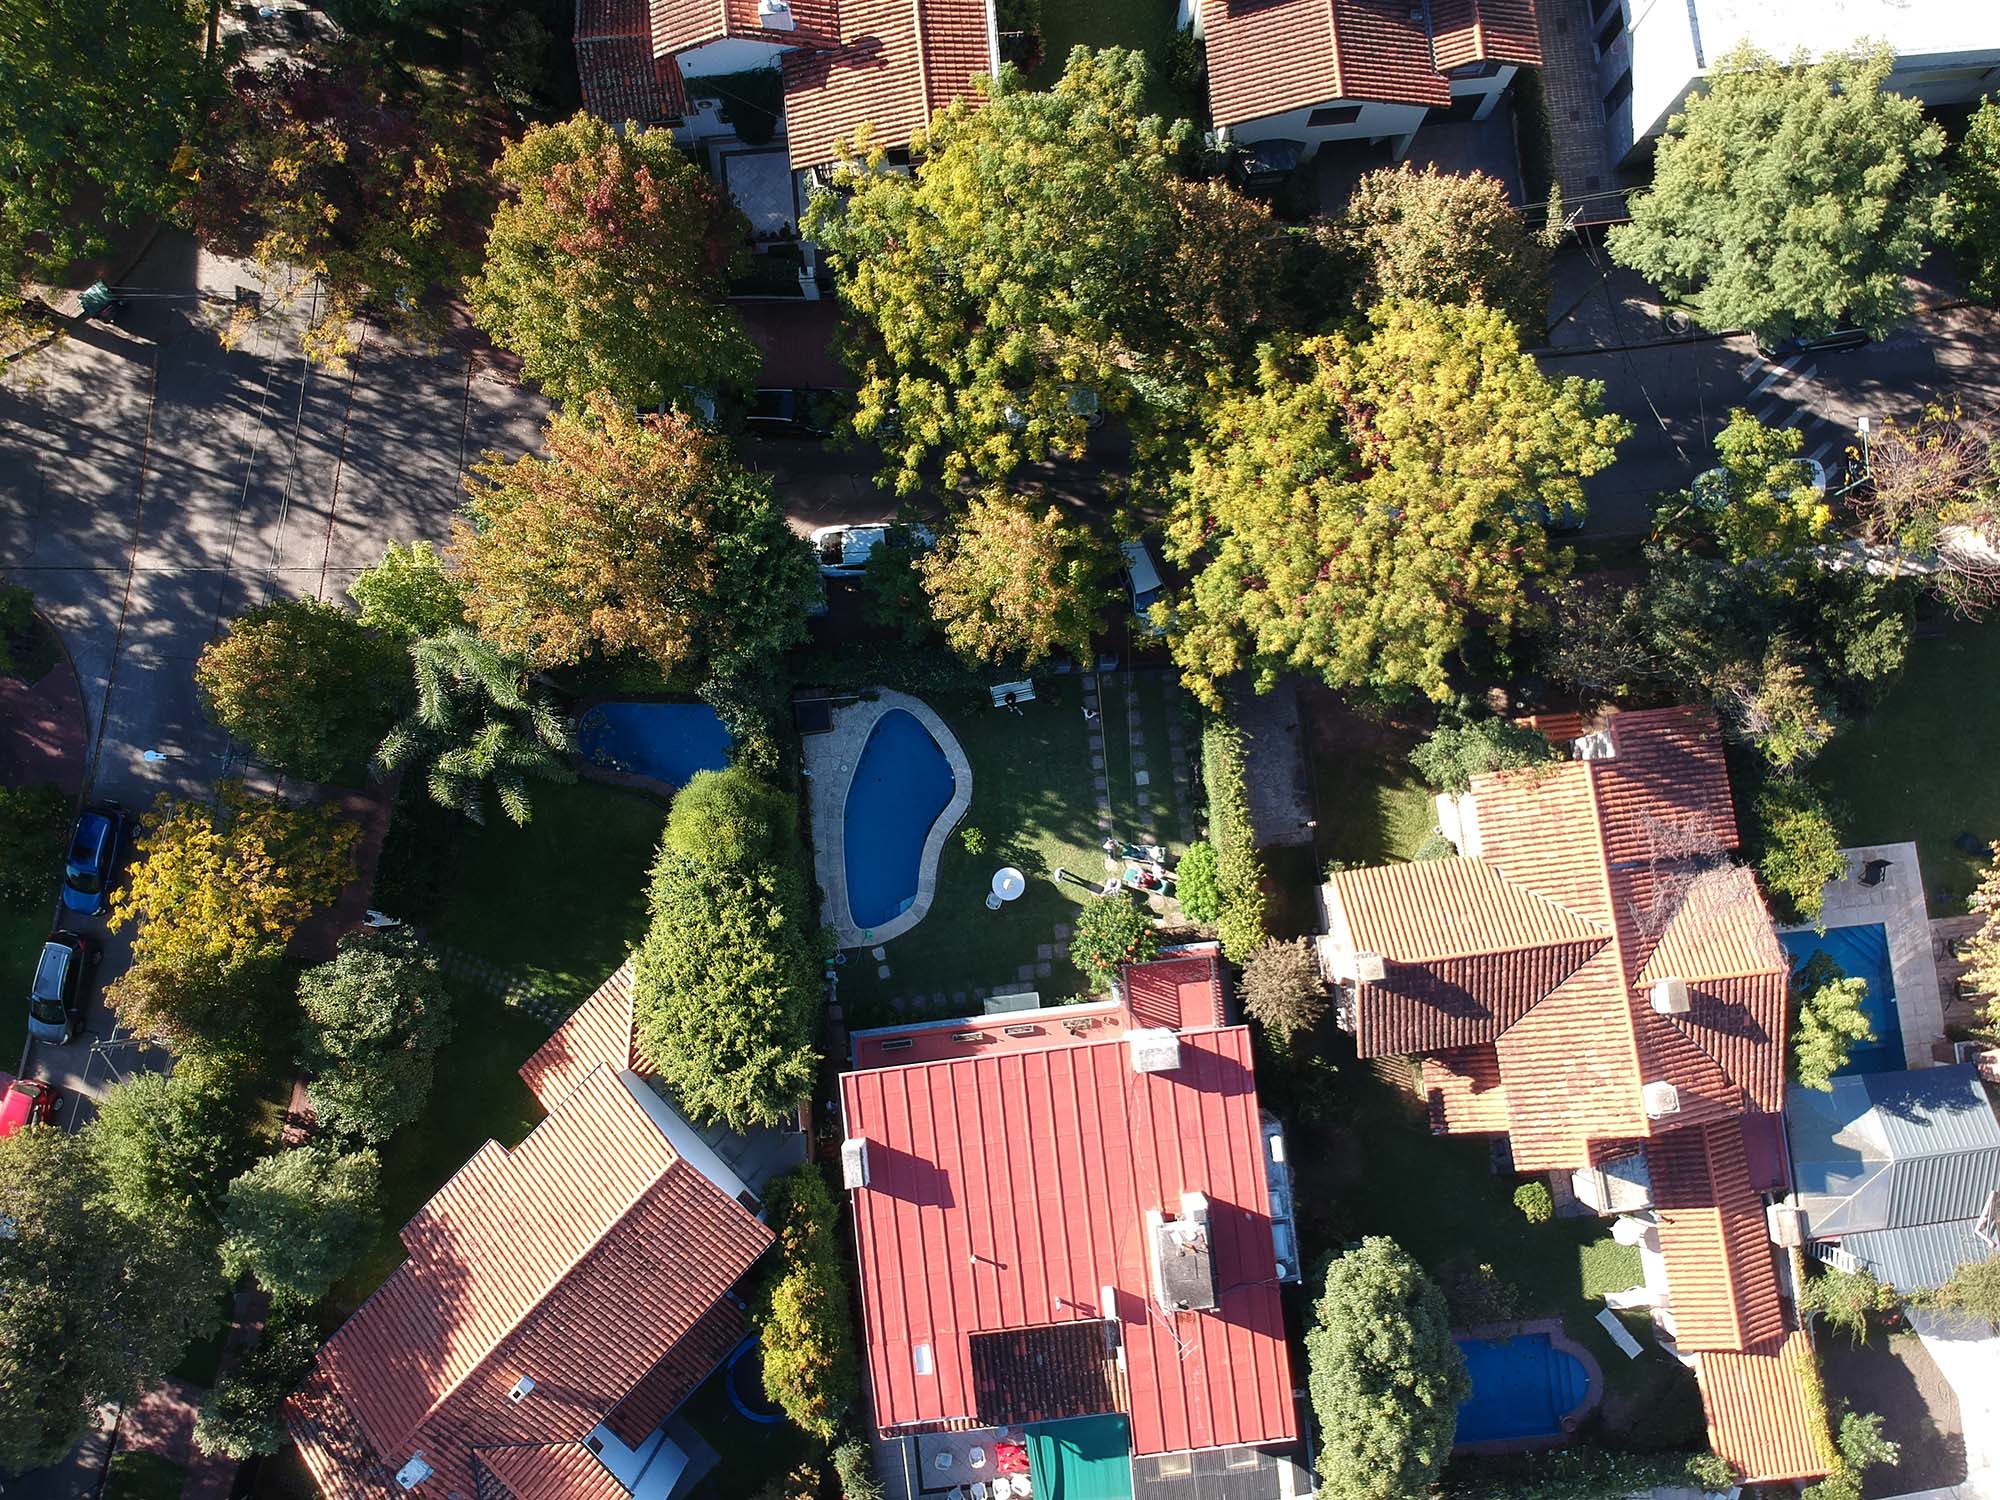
1154	1050
1670	997
413	1473
1593	746
1787	1225
1369	968
775	15
523	1388
1661	1099
854	1162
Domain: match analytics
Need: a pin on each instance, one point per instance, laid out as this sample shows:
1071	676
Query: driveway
160	476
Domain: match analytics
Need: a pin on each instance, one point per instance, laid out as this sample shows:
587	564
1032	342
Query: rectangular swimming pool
1522	1387
1862	952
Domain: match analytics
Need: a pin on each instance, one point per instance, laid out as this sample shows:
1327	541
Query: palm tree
477	721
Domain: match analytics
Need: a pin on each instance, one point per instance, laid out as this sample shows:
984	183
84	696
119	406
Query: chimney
775	15
1369	968
1670	997
1661	1099
1787	1225
523	1388
1154	1050
854	1162
1593	746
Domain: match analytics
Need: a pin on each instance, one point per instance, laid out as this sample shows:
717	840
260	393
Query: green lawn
143	1476
1921	766
21	934
1145	24
1372	808
752	1453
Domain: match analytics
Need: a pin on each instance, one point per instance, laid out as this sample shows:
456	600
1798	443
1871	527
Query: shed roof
1181	993
1892	1150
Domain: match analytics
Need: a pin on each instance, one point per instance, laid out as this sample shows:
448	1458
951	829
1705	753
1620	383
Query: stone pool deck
830	761
1898	904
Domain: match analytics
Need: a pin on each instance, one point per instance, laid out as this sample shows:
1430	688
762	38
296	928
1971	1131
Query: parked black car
93	857
789	412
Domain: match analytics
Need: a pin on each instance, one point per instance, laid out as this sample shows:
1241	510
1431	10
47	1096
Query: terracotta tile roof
1008	1188
1269	56
682	25
1571	1069
621	78
597	1034
897	63
1455	1002
1450	908
579	1258
1560	729
1042	1374
1183	993
551	1471
659	1394
1760	1415
1463	1092
1668	777
1471	31
1721	1279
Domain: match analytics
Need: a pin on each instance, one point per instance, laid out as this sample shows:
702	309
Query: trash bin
97	298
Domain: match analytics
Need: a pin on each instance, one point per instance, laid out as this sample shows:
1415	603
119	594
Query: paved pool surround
831	760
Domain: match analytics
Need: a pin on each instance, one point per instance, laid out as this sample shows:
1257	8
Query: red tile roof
1464	1093
1182	993
1456	1002
597	1034
898	62
580	1259
1721	1278
621	78
1007	1189
1761	1417
1472	31
551	1471
682	25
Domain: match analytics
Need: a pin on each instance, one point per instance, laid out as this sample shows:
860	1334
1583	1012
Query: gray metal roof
1888	1150
1918	1256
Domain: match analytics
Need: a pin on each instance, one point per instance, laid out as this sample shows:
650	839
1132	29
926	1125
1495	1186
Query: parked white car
1711	487
844	550
1142	580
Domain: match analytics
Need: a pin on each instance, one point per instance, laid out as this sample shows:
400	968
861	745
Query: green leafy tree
892	588
632	535
297	1220
1831	1021
1773	706
34	822
210	1006
1009	584
373	1020
365	177
1712	1474
726	989
1384	1375
1975	187
95	101
94	1307
1045	263
1982	960
1195	883
1791	197
243	1416
811	1368
1282	989
1434	236
1111	930
477	722
1380	496
409	594
304	684
855	1466
1974	1289
1932	492
1861	1443
607	268
1799	845
1460	749
1846	1300
1760	503
169	1144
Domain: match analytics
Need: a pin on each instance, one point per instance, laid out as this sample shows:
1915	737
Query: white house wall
1394	121
732	54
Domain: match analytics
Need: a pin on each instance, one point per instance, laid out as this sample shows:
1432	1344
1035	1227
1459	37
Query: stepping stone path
515	990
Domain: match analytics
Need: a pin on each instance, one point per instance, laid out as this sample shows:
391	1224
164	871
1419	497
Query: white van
1142	577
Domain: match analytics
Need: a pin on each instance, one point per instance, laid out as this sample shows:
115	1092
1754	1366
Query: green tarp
1089	1458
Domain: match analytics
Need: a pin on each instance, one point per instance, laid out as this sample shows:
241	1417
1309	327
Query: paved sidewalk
43	734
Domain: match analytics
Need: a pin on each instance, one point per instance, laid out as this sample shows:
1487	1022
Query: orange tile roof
1463	1091
683	25
597	1034
898	62
1450	908
1761	1417
621	78
1571	1069
1269	56
1472	31
580	1258
1456	1002
1721	1279
550	1471
683	1367
1667	780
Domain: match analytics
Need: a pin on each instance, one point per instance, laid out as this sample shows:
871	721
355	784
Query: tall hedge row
1239	874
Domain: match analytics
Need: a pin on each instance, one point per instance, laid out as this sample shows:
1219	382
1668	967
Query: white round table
1009	883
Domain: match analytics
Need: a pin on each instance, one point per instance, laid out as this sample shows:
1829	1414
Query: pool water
901	784
1862	953
667	741
1522	1387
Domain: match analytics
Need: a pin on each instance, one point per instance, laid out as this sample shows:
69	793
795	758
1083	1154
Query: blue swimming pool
1862	953
666	741
901	784
1522	1387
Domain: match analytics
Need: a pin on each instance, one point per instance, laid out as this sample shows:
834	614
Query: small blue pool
1522	1387
667	741
900	785
1862	953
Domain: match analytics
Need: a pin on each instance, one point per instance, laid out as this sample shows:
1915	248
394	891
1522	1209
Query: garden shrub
1536	1203
855	1466
1574	1473
1799	846
973	839
1111	930
1479	1296
1239	875
1846	1300
1282	989
17	618
1456	752
811	1369
1195	884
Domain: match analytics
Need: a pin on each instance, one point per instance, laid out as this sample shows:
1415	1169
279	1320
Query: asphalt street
161	475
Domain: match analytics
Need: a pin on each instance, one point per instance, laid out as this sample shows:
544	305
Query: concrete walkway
44	737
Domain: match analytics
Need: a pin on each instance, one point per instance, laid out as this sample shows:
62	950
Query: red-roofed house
890	64
560	1301
1065	1225
1593	979
1328	70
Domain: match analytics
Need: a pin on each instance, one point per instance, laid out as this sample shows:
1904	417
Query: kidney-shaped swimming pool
901	785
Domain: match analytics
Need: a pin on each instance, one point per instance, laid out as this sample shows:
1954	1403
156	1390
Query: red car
27	1101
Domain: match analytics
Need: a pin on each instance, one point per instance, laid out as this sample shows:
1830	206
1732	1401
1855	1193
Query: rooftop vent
413	1473
1024	1029
898	1044
1670	997
775	15
1593	746
1787	1224
854	1162
1107	1301
1155	1050
1369	968
523	1388
1661	1099
1183	1263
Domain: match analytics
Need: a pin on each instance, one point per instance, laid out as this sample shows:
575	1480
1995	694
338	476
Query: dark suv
55	1001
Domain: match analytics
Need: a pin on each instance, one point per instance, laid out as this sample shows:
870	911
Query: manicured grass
1607	1266
563	900
143	1476
478	1096
1372	809
21	934
1145	24
1921	766
752	1453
